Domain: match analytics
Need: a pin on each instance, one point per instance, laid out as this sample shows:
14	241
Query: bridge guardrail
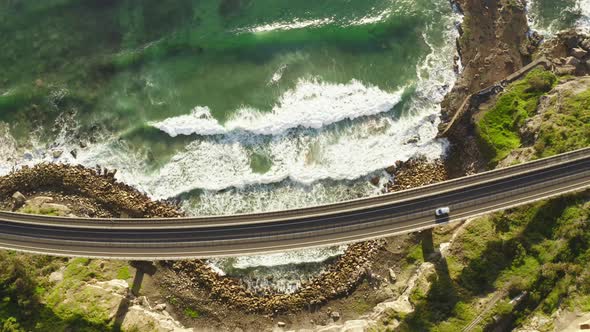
324	209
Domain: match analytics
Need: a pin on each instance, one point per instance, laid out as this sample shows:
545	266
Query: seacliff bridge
327	225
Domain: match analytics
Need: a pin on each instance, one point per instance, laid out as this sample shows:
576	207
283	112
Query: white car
442	211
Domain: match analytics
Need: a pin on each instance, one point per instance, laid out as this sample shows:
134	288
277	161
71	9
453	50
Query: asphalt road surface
346	222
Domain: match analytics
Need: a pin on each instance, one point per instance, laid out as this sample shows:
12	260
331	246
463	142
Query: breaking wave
310	104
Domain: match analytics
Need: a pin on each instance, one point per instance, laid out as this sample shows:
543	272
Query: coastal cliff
494	42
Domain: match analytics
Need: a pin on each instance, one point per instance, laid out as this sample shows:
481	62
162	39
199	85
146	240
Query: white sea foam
311	104
8	150
276	77
373	18
370	18
551	28
290	25
304	160
286	258
584	21
199	121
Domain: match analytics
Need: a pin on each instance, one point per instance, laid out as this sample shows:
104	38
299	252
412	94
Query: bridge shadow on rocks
141	269
478	278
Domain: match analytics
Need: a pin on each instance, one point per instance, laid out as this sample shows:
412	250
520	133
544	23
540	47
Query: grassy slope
566	125
29	302
498	129
543	248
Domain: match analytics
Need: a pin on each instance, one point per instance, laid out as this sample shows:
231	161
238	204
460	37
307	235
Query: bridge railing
357	204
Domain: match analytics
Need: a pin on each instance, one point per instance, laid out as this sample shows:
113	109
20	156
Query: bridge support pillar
427	242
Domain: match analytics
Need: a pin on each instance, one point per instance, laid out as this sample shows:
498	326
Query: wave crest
311	104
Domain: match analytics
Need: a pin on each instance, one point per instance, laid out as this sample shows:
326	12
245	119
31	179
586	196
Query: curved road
346	222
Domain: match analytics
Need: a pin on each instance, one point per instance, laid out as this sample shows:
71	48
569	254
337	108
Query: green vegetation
415	255
542	249
566	124
539	252
29	302
42	211
124	273
498	129
191	313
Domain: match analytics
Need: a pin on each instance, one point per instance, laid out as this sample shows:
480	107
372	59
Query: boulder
565	70
160	307
570	38
390	170
571	61
579	53
18	200
375	181
56	153
585	44
281	324
74	153
335	315
57	276
392	276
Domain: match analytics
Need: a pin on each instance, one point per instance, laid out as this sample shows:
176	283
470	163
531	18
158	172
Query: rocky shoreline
339	279
492	34
494	42
97	184
77	183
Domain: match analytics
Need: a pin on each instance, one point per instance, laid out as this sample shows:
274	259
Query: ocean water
229	106
551	16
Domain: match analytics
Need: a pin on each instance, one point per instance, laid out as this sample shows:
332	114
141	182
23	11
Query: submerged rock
57	153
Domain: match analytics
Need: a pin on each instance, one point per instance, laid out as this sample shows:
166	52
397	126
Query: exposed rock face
139	318
569	51
579	53
494	44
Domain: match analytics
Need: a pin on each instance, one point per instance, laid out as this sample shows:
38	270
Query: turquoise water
230	106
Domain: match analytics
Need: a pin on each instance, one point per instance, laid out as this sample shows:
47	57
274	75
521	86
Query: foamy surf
286	258
584	21
314	157
370	18
311	104
8	150
302	157
310	161
549	27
